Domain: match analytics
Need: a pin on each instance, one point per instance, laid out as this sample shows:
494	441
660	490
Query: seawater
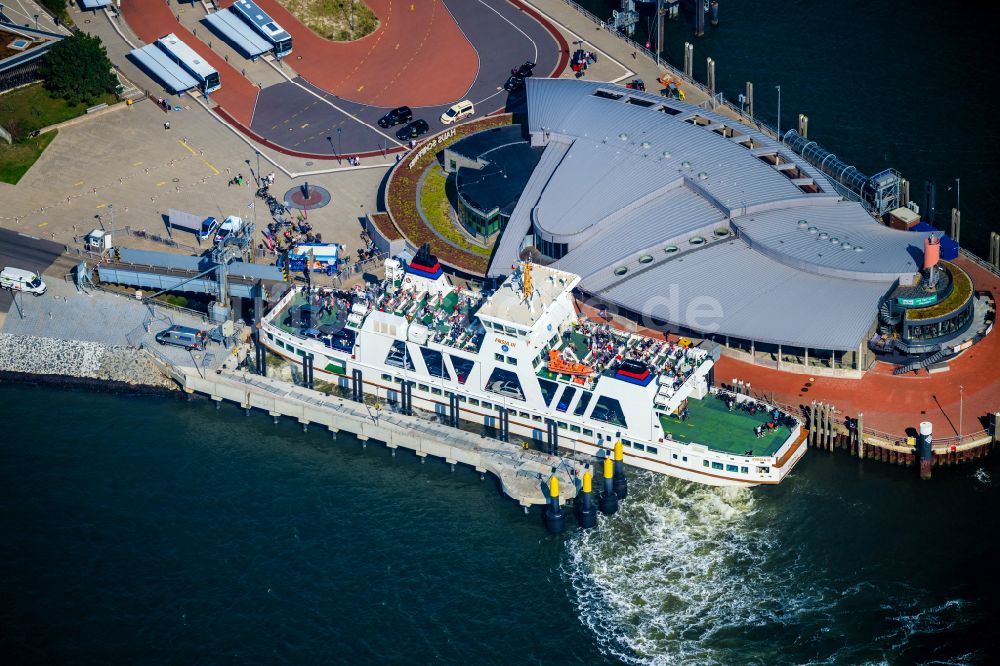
908	85
156	530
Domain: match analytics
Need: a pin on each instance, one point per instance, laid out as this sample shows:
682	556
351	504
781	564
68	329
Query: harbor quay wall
523	474
51	358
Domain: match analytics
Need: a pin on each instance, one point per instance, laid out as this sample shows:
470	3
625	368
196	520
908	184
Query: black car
516	79
524	70
413	130
396	116
514	83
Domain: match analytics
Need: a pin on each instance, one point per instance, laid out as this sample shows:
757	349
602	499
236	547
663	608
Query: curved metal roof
627	173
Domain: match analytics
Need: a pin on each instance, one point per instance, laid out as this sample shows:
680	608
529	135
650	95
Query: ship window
716	465
523	415
448	394
462	366
566	399
511	360
398	356
386	378
675	456
626	442
745	470
562	426
435	391
505	383
423	387
548	390
588	432
609	410
685	458
574	428
435	363
581	406
487	405
474	401
270	337
536	417
461	398
498	357
704	463
732	468
510	330
649	449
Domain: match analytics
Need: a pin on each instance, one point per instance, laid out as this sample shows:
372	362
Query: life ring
408	280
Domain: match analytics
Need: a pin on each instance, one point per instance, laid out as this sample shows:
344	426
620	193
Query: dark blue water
908	85
153	530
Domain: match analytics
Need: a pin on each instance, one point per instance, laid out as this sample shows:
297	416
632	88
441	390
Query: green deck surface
711	424
280	319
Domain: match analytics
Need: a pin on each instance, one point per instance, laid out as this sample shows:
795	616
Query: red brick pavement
417	56
152	19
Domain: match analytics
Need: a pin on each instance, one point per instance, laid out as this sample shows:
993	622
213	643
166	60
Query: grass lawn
331	19
32	108
437	209
711	424
15	160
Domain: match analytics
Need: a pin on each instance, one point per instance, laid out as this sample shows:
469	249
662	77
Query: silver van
183	336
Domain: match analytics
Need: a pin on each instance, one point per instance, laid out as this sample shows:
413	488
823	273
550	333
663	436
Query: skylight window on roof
608	95
639	102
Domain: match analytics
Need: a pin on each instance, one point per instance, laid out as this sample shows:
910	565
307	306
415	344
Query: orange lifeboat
561	367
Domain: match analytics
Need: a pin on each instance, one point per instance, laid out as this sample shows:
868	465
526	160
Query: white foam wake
661	582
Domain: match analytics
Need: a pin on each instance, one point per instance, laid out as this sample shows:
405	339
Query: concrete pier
523	473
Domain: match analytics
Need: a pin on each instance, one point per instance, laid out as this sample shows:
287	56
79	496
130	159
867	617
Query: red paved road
893	403
417	56
152	19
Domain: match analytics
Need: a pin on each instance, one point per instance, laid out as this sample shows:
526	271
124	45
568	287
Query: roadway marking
78	184
361	87
101	205
161	183
304	126
136	163
195	153
43	224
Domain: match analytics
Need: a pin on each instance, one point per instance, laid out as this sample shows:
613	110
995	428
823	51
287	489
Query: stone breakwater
29	355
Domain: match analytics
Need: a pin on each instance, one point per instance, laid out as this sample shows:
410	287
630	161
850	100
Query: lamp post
36	21
340	143
779	113
258	167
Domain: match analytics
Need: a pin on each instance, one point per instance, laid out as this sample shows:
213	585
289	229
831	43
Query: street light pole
340	143
779	113
258	167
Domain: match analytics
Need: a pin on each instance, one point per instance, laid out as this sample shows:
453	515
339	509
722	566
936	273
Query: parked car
524	70
517	75
183	336
397	116
18	279
413	130
457	112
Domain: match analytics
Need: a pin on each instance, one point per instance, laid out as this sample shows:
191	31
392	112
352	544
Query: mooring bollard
586	514
555	520
609	500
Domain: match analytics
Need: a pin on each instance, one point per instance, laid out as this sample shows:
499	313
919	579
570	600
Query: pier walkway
523	473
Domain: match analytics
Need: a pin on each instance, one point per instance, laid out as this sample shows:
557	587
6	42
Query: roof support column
779	357
753	354
806	356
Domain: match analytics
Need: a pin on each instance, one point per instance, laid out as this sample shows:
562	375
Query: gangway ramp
170	74
233	29
159	271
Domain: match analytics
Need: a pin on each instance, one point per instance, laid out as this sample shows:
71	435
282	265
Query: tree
78	70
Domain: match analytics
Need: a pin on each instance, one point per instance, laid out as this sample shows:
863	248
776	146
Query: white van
16	279
229	227
457	112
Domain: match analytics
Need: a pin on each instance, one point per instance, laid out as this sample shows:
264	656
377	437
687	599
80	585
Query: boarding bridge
217	275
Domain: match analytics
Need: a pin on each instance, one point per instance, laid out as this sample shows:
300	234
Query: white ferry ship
523	362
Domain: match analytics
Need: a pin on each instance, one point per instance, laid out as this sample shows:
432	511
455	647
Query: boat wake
661	581
688	574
